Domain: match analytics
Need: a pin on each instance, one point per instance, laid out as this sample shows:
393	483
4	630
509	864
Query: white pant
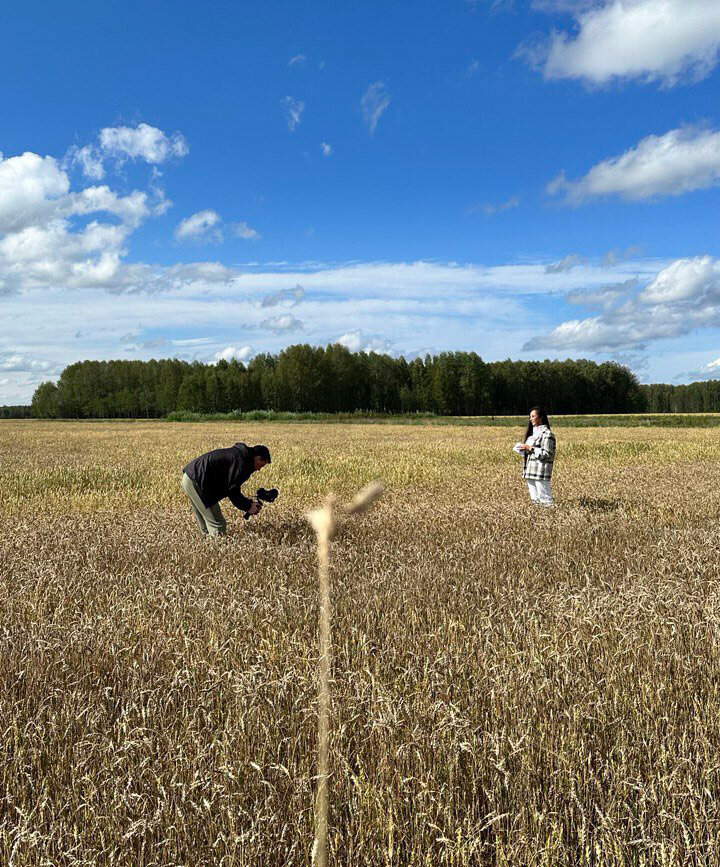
540	492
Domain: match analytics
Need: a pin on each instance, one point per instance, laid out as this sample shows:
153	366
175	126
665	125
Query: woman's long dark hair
543	420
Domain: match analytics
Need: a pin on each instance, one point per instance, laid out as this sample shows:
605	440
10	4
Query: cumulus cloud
663	41
121	143
90	160
373	103
326	148
683	296
237	353
247	233
40	246
677	162
131	209
282	324
142	142
356	341
202	227
567	263
293	110
711	370
684	280
30	187
587	335
289	297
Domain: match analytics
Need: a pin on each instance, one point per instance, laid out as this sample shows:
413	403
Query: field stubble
510	686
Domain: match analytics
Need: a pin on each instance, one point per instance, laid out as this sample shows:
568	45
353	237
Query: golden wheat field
510	686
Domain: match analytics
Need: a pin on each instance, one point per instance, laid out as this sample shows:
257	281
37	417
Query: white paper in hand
517	448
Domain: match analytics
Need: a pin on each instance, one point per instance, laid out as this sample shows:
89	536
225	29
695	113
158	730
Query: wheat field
510	686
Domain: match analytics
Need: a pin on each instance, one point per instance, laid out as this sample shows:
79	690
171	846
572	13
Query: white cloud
567	263
30	186
711	370
290	297
15	361
142	142
200	227
247	233
326	149
90	159
293	110
39	244
682	297
124	142
649	40
298	58
373	103
281	324
683	280
584	334
356	341
131	209
38	256
241	353
427	280
677	162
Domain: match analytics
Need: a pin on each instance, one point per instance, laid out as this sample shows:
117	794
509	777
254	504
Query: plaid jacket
538	464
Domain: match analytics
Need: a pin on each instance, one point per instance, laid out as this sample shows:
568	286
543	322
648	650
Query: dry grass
510	686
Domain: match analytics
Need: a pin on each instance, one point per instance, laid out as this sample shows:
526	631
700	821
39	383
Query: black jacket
220	473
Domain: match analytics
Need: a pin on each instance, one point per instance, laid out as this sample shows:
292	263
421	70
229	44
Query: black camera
262	495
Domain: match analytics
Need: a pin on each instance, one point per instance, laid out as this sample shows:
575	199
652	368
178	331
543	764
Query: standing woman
538	452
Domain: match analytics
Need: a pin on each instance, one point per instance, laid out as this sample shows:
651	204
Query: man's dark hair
543	420
261	452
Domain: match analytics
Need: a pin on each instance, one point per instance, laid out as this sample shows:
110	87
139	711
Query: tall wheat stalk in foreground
325	522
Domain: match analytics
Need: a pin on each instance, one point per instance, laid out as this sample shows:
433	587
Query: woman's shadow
598	504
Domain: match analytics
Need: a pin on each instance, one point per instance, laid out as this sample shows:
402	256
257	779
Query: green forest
333	379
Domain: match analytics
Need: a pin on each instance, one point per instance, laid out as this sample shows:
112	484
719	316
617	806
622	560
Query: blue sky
525	179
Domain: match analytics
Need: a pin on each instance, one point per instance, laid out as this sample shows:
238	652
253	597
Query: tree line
695	397
305	378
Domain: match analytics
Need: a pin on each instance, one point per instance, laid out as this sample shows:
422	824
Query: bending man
219	474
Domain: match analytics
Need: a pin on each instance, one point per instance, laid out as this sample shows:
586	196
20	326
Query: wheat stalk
325	522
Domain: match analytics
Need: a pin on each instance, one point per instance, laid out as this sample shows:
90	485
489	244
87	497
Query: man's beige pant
210	518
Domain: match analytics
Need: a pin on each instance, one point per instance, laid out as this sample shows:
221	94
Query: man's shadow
292	531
